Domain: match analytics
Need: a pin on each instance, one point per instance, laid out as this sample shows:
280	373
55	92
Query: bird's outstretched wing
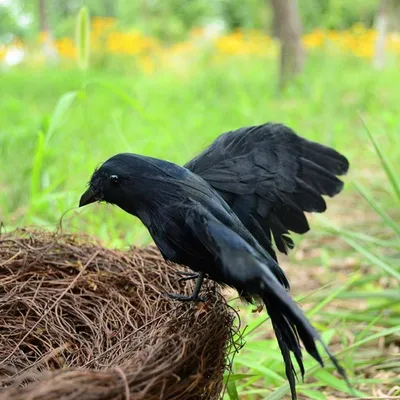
242	267
270	176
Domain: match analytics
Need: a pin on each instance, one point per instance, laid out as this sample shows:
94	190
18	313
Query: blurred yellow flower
66	48
314	39
107	40
3	51
129	43
241	43
102	23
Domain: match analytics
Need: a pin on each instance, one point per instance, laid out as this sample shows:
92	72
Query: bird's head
114	181
134	182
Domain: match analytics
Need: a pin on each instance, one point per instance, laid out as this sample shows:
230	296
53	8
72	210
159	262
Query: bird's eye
114	179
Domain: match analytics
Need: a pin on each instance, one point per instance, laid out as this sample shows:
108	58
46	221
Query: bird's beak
87	198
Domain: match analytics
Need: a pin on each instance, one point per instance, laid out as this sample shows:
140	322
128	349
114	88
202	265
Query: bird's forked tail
242	267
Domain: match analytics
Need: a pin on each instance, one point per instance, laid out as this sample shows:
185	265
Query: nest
79	321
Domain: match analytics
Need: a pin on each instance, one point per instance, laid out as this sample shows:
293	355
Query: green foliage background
172	19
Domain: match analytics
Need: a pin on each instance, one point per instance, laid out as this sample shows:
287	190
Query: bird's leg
187	276
194	296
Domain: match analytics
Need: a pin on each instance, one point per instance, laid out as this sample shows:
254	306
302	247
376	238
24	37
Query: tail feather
291	327
335	362
288	341
289	368
244	268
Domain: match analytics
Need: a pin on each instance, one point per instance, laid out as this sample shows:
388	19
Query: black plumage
270	176
218	214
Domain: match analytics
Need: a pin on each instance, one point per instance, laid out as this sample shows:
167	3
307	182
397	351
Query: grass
57	125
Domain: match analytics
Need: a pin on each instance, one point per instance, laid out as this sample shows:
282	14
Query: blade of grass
257	365
330	380
232	390
313	394
385	164
236	377
373	258
319	306
63	105
126	98
330	229
284	389
388	294
378	209
37	167
83	37
120	132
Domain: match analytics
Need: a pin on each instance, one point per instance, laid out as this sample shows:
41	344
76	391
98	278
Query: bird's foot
182	297
187	276
195	295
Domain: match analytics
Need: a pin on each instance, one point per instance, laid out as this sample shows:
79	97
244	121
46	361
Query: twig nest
79	321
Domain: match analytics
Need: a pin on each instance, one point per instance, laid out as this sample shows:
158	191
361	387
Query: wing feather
270	176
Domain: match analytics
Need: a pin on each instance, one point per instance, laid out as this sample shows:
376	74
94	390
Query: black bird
219	213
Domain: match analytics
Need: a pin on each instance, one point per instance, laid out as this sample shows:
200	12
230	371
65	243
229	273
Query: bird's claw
182	297
187	276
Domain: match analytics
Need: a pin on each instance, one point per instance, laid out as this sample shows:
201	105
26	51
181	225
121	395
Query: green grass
57	125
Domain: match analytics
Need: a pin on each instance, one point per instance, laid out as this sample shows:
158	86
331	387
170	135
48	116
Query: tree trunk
109	6
381	24
44	27
289	30
48	47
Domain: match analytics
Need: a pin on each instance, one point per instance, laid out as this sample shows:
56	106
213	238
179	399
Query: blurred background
166	77
83	80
